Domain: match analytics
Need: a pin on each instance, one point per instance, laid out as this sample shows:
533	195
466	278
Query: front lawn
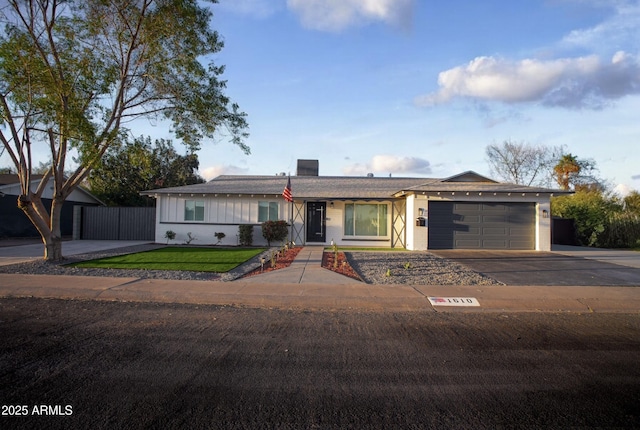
219	260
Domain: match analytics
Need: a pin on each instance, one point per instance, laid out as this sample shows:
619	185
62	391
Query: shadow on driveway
543	268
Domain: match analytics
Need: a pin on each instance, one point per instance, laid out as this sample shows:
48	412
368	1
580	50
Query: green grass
217	260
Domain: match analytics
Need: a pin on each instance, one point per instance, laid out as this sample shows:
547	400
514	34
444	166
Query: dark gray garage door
470	225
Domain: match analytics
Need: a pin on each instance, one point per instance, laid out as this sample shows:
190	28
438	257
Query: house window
194	210
267	211
365	219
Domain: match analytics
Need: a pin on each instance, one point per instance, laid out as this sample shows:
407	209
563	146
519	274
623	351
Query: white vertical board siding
219	210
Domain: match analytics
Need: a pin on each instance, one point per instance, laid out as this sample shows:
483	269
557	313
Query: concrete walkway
305	269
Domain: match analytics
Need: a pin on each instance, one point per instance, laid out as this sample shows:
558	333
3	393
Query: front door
316	221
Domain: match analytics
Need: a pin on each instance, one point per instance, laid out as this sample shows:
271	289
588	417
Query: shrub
275	231
245	233
590	211
622	230
600	220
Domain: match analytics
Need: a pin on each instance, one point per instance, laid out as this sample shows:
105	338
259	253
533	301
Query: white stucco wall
543	226
417	236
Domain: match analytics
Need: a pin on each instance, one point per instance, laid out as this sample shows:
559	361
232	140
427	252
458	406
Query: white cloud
209	173
583	82
389	164
620	28
336	15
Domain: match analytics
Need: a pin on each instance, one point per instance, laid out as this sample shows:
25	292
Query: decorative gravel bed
417	268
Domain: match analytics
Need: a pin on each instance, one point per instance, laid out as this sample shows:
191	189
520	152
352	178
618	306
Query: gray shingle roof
339	187
303	187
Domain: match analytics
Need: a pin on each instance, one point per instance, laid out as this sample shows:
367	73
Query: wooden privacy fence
120	223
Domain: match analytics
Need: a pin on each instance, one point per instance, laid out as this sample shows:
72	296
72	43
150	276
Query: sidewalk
306	285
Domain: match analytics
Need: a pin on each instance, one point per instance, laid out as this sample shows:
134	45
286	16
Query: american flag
287	191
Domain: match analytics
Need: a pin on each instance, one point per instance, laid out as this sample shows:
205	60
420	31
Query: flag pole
291	218
288	196
290	214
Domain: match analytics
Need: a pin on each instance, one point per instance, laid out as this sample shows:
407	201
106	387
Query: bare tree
523	163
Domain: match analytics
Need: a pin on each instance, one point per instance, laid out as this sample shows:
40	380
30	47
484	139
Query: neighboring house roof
11	178
10	183
346	187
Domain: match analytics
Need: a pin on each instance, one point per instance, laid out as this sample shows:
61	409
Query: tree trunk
53	249
32	206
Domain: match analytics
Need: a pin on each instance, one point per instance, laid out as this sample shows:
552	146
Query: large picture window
194	210
365	219
267	211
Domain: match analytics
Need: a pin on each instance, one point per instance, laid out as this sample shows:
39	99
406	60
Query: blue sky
420	88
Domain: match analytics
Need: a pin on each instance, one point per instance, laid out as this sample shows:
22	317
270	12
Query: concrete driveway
22	253
576	266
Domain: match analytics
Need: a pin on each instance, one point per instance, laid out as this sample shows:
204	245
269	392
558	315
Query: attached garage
481	225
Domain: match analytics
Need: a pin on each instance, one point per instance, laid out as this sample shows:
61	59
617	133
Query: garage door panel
496	219
468	219
495	244
467	206
472	225
519	244
495	231
467	243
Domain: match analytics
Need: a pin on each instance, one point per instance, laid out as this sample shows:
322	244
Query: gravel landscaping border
387	267
413	267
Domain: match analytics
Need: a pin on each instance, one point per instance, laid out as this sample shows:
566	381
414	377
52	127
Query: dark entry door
316	221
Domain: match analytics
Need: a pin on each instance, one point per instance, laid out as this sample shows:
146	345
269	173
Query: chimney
307	168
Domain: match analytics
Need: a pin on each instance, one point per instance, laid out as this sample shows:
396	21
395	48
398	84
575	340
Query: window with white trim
194	210
268	211
365	219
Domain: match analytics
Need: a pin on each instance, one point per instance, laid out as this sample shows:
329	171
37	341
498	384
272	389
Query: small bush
245	233
169	235
219	236
275	231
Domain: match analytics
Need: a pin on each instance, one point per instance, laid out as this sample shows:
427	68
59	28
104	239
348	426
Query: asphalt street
105	365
